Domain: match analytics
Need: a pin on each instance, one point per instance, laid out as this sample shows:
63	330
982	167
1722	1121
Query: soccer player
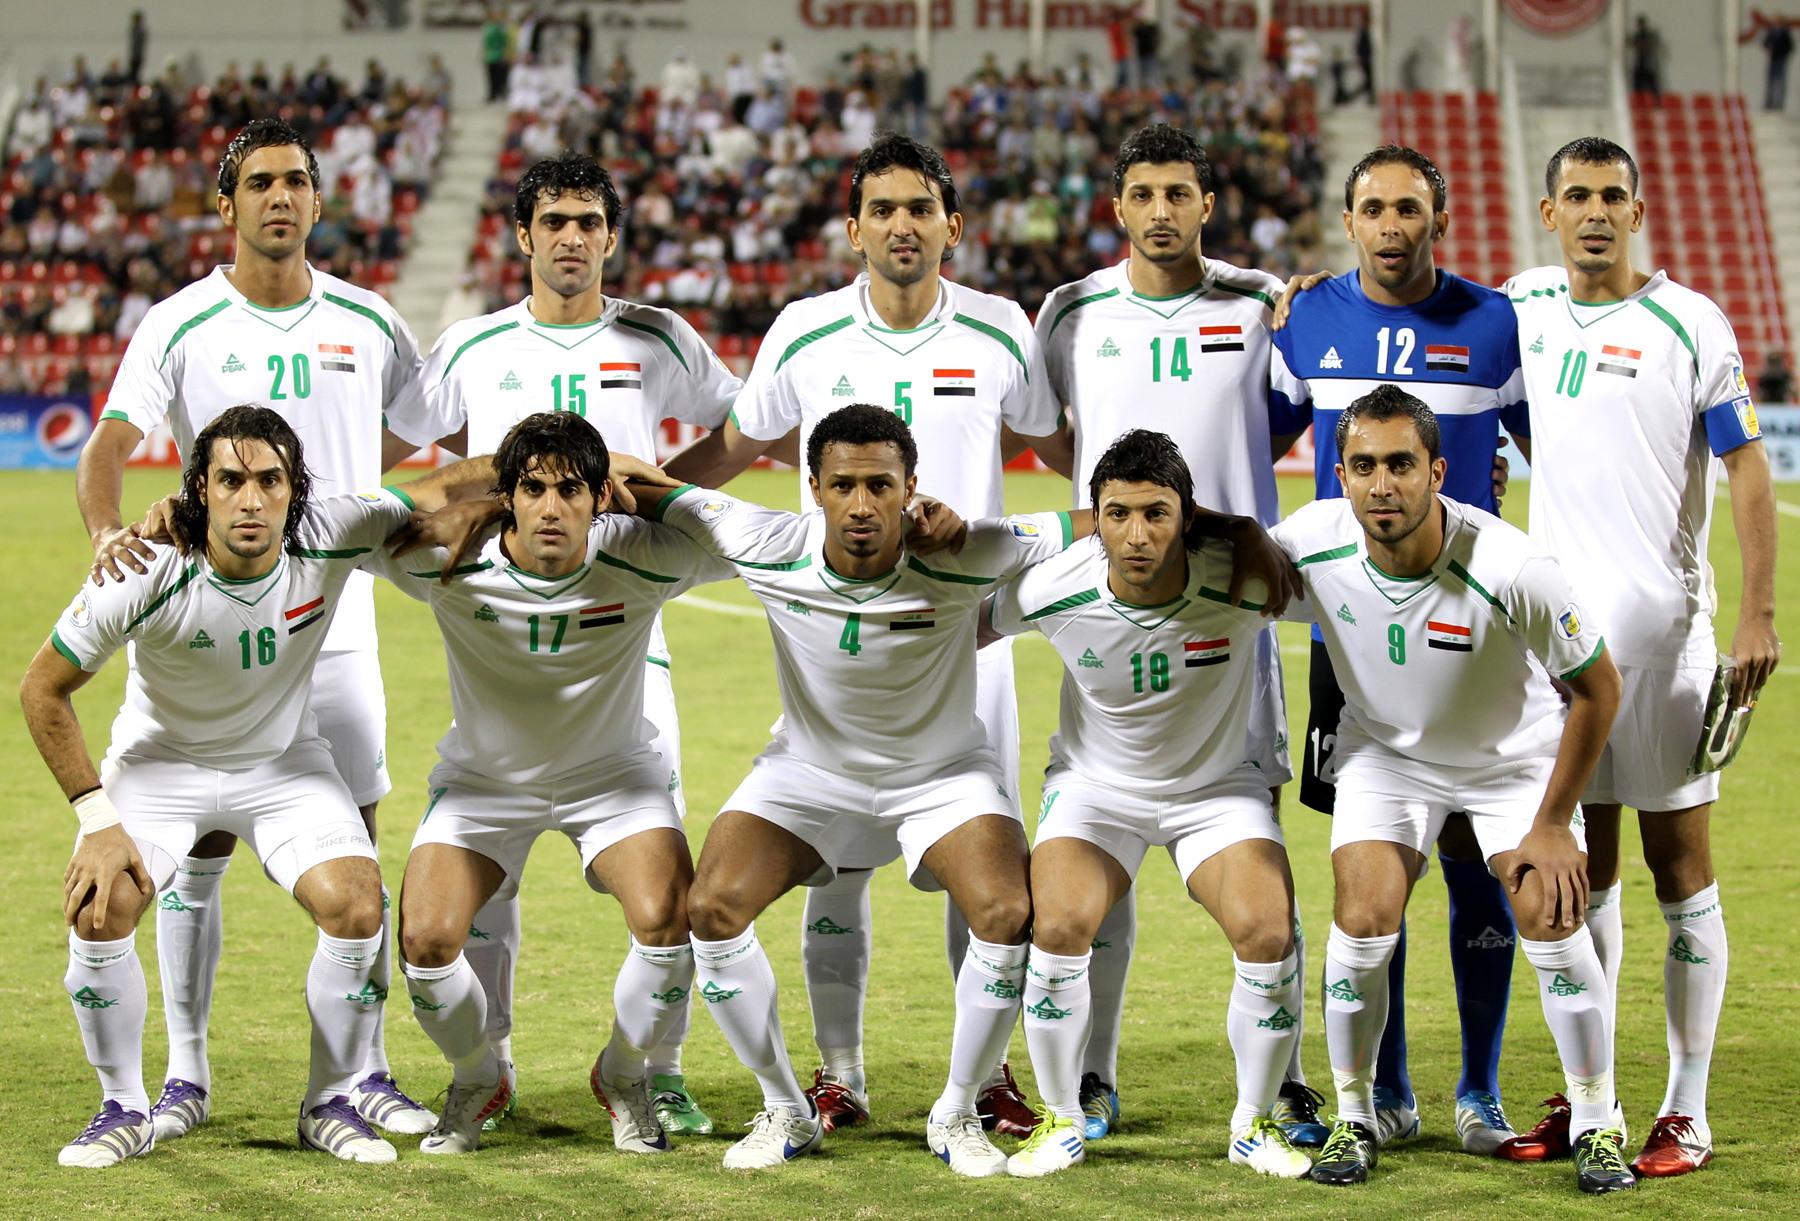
1173	341
1637	398
217	733
1445	627
341	367
625	367
962	370
546	630
1157	697
879	754
1454	345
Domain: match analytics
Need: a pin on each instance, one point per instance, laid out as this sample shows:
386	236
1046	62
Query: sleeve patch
1568	622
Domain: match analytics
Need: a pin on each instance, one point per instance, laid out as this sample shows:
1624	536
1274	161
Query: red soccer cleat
1676	1146
839	1105
1544	1143
1003	1107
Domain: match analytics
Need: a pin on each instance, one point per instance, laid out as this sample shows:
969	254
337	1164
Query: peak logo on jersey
487	614
1281	1019
511	381
1451	636
1331	359
1537	346
337	357
843	389
201	641
1562	985
710	511
959	382
1491	939
1622	362
913	620
307	615
799	608
1207	652
1343	612
603	616
1568	622
1446	358
82	613
1090	661
232	364
1108	348
1221	339
621	375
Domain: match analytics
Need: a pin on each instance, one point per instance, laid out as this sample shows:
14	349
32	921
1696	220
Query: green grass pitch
555	1159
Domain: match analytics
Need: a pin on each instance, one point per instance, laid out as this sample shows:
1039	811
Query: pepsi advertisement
43	432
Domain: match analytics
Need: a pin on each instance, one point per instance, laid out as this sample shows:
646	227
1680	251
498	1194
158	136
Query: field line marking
720	608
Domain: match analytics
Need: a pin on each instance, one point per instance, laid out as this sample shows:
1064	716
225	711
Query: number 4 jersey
1447	667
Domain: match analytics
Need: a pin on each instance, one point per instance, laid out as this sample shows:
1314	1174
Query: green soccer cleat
1264	1147
1600	1167
1056	1143
675	1108
1348	1155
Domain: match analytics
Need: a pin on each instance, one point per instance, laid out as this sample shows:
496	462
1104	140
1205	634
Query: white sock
452	1009
492	948
1356	1010
653	984
956	936
1111	966
1606	925
1693	990
377	1061
835	940
190	932
1578	1007
106	986
1263	1024
664	1060
1058	1020
344	1000
1295	1072
988	989
738	984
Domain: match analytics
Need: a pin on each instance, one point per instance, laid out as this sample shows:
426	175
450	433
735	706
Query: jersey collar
1401	590
248	592
939	315
283	319
1165	307
1585	313
568	335
1148	618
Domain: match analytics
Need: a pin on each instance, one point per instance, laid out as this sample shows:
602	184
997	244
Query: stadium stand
107	199
1461	133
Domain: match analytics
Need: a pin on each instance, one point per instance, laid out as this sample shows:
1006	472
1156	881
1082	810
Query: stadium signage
1556	16
1066	14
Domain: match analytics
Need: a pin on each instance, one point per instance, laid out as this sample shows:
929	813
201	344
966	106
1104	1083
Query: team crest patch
1568	622
368	498
81	614
1746	414
1022	528
710	511
1737	377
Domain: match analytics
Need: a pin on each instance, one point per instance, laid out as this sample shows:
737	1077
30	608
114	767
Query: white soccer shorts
1192	826
1646	758
1383	795
596	808
659	710
1267	740
294	810
351	706
857	823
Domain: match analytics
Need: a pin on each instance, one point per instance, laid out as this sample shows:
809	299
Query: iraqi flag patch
1221	339
1449	636
337	357
957	382
913	621
1207	652
1623	362
1446	358
621	375
304	616
603	616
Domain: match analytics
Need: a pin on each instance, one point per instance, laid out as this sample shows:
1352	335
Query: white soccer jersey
1627	400
221	669
875	675
1155	699
626	372
337	366
972	365
1448	667
1194	366
547	674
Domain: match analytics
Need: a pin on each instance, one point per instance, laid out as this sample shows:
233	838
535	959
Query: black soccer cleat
1600	1164
1348	1155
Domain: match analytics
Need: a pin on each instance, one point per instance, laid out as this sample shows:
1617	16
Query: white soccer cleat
335	1127
379	1099
777	1135
627	1103
1056	1143
113	1135
957	1140
466	1108
183	1107
1394	1119
1481	1123
1265	1148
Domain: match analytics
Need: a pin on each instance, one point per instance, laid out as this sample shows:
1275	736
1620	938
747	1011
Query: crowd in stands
735	190
107	199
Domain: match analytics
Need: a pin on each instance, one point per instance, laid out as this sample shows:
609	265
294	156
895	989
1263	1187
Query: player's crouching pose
546	631
1156	702
215	735
1441	621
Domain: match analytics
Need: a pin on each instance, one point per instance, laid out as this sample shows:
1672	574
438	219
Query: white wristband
95	812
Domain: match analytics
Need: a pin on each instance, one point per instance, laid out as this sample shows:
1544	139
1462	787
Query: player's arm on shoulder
1254	556
720	456
99	489
1295	286
737	530
668	558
